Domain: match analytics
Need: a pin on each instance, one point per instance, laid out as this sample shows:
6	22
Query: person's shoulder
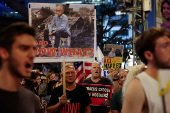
142	74
86	80
80	86
135	91
64	16
58	88
118	92
134	85
26	92
107	81
55	16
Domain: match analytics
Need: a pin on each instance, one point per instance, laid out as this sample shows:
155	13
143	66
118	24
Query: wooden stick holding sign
64	79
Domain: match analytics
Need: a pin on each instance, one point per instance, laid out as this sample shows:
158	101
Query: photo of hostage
112	53
61	31
165	10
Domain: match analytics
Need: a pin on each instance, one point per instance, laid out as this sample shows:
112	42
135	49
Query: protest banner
115	62
73	38
100	95
112	56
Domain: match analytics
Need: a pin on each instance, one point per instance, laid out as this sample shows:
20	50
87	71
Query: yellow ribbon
165	90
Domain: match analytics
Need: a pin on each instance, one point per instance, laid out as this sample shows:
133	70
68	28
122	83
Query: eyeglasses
72	73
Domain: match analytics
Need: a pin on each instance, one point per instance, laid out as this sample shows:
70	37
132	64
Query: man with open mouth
97	79
17	52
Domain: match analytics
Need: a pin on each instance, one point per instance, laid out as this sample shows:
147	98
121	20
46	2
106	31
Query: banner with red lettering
100	95
63	31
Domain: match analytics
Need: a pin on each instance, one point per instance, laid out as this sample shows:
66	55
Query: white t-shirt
150	87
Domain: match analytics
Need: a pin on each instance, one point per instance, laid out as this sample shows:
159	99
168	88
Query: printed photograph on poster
111	51
112	56
63	30
163	13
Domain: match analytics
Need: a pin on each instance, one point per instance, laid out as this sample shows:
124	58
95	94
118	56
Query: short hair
147	41
68	65
165	1
8	34
34	75
122	70
95	62
39	68
60	6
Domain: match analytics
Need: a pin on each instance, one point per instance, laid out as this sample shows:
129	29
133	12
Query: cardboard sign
115	62
100	95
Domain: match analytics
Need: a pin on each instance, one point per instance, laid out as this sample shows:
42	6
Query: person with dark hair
39	69
62	30
153	48
28	84
165	10
35	77
17	52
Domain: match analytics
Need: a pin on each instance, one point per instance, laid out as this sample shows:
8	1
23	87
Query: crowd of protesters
43	92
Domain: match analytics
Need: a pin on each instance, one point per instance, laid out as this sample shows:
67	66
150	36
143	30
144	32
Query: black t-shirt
102	81
23	101
77	99
49	87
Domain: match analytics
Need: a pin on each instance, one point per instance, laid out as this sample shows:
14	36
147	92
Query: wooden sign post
64	79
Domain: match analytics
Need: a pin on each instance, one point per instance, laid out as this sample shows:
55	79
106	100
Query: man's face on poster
166	11
59	11
113	49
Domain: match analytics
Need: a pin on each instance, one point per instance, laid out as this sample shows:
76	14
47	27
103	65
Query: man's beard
160	64
13	67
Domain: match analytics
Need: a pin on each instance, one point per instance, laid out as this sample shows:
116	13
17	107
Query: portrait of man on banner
63	29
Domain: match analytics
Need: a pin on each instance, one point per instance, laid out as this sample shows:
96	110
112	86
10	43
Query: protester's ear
148	55
4	54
